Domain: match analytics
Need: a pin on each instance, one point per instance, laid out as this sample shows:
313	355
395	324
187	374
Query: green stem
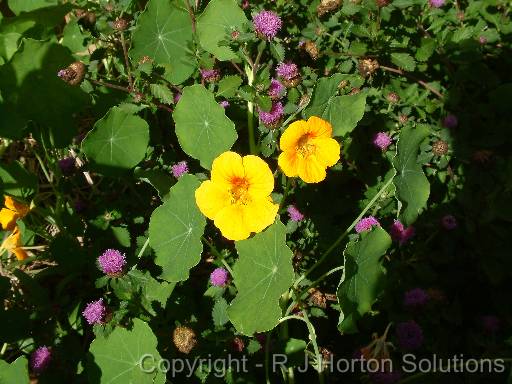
250	112
312	336
344	234
286	190
217	254
4	348
267	358
146	243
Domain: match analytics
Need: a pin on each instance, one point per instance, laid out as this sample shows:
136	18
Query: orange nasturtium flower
13	211
13	244
237	198
308	149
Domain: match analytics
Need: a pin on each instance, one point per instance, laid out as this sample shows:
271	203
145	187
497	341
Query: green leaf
18	6
203	130
117	142
14	373
412	186
25	83
157	292
164	33
361	282
9	46
119	356
159	179
228	86
162	93
15	180
219	312
277	50
73	38
404	61
175	231
262	274
343	112
216	22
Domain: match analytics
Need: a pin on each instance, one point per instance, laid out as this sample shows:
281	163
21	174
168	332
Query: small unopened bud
402	119
184	338
73	74
145	59
237	344
393	97
382	3
327	6
235	35
120	24
355	91
86	17
367	67
343	84
440	148
311	49
317	298
304	100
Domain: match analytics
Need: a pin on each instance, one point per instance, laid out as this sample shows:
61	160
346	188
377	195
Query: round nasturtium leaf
14	373
262	274
203	129
119	357
362	277
175	231
118	141
164	33
219	17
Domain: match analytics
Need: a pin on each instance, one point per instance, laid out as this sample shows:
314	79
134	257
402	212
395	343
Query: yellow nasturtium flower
13	245
237	197
308	149
12	211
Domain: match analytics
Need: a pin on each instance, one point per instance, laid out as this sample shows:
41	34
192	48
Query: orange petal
20	253
311	170
292	134
16	206
327	151
289	162
8	219
319	127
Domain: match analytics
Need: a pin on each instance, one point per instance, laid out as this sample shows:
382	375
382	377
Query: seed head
367	67
440	148
121	24
311	49
184	338
327	6
73	74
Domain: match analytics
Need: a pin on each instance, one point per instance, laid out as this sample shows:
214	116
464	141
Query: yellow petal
13	240
226	167
20	253
8	219
319	127
311	170
15	206
289	162
230	221
327	151
211	199
259	177
259	214
292	134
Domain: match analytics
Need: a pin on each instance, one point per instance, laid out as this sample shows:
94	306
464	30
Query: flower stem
344	234
250	112
146	243
217	254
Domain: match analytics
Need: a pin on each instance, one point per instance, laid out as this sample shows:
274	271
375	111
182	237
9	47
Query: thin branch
127	61
237	68
421	82
108	85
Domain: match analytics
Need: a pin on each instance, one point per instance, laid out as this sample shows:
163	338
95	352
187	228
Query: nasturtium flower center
237	198
308	149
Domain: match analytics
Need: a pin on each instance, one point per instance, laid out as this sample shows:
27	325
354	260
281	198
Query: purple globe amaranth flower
382	140
210	75
276	89
295	214
67	165
273	117
415	298
267	24
219	277
179	169
450	121
482	40
95	312
436	3
491	324
40	359
409	335
224	104
366	224
245	4
449	222
287	71
384	377
112	262
401	234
